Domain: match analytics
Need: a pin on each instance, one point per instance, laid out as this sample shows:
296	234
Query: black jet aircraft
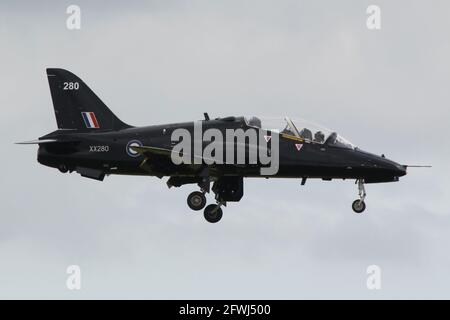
93	142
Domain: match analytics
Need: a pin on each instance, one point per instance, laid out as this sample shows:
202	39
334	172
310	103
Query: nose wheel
359	205
196	200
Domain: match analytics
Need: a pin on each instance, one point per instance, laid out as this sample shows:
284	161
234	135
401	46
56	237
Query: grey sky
167	61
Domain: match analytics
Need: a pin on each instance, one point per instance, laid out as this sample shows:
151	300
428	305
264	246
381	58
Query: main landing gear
226	189
359	205
196	200
213	213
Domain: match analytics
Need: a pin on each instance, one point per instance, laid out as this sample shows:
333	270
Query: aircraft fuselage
109	152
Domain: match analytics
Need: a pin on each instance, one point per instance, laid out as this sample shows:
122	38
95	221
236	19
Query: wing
158	161
149	152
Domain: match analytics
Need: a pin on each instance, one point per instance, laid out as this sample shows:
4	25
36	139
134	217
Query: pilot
255	122
319	137
306	134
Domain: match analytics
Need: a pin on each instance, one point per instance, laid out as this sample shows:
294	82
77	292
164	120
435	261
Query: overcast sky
155	62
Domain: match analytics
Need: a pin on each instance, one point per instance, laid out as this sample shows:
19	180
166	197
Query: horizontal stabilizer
51	140
416	166
39	141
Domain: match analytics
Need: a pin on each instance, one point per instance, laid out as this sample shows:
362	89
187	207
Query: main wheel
63	168
196	200
213	213
358	206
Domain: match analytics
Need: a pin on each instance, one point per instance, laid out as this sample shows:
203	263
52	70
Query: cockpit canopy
308	131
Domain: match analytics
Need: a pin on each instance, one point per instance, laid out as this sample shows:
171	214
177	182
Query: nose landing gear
359	205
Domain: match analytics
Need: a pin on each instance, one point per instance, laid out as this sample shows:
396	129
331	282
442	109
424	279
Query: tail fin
78	107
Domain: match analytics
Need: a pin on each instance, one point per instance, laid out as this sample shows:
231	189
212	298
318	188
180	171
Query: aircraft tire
196	200
213	213
358	206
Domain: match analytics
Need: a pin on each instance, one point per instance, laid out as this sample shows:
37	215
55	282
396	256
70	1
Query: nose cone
399	170
391	168
380	169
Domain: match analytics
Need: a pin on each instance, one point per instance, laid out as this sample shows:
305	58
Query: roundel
133	143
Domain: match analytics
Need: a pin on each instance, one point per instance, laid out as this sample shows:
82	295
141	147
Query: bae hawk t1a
221	152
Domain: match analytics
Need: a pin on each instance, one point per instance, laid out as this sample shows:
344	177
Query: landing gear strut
358	205
196	200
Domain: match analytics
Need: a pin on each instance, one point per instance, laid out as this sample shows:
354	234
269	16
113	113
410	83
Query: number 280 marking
71	86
